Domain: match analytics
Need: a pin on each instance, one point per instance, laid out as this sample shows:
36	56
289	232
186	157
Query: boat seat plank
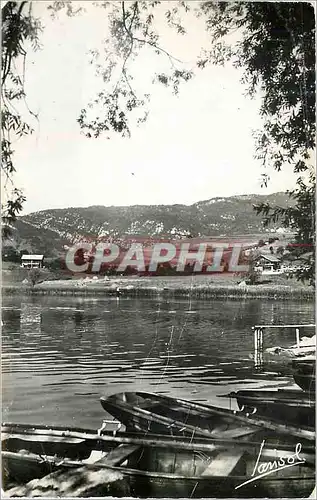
149	405
118	455
188	411
224	463
236	432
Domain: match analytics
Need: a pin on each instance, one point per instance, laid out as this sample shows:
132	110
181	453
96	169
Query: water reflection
31	318
60	353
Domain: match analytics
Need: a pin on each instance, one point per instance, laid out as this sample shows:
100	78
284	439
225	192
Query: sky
193	147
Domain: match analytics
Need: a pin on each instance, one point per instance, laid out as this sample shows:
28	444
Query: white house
31	261
269	264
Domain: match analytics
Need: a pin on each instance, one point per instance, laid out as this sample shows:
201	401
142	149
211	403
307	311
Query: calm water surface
60	354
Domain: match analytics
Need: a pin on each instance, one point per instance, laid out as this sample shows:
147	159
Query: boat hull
168	485
158	414
164	487
295	407
158	466
165	415
304	373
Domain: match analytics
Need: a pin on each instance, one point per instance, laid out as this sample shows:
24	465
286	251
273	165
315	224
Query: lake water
60	354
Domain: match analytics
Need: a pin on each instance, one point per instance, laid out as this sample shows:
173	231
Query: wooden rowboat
158	466
304	373
165	415
295	407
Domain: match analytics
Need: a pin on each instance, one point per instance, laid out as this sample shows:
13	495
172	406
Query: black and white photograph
158	188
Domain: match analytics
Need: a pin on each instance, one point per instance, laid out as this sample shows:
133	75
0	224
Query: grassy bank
212	292
196	287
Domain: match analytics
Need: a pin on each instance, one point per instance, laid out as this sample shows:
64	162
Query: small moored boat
295	407
304	373
165	415
158	466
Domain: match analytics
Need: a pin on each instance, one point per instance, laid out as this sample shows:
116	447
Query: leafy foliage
132	29
253	275
18	27
11	255
276	49
273	42
59	5
34	276
300	218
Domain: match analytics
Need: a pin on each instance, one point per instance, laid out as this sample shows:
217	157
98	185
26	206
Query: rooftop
270	258
32	257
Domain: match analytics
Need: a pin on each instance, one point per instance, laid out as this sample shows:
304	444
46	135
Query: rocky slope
48	231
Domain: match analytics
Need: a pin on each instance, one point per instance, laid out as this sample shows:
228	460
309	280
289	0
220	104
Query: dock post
258	346
261	347
297	337
255	345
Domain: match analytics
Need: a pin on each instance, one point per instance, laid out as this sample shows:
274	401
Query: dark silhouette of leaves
18	26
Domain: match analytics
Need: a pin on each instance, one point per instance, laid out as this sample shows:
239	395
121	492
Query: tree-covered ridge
48	230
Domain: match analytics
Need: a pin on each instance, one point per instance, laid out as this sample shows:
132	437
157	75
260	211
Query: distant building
269	264
31	261
292	264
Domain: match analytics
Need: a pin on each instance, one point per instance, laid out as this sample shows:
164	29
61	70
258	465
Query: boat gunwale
129	408
160	440
158	475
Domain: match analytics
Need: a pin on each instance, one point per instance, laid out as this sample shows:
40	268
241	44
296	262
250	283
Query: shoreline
163	287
